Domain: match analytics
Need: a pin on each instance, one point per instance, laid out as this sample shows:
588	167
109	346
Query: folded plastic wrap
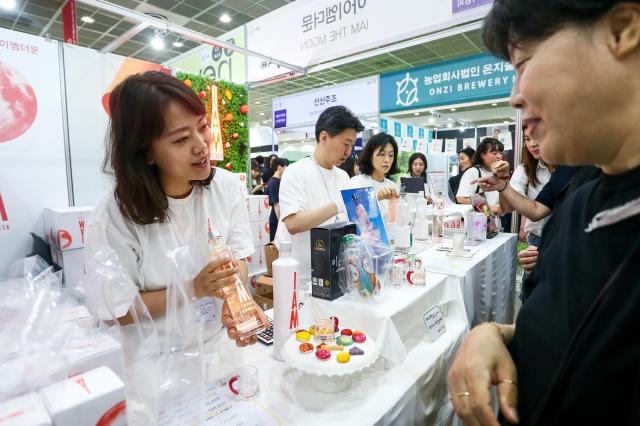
481	205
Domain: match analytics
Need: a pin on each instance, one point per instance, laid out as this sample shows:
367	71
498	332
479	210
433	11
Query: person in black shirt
273	190
572	358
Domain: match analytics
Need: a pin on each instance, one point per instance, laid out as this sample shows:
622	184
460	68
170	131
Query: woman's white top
520	182
144	251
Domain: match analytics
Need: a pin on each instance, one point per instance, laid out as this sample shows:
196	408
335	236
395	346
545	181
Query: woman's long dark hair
137	106
424	160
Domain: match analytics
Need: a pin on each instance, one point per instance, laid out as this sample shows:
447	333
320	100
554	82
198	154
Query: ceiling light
265	121
225	18
432	120
449	125
157	42
8	4
416	113
177	44
506	121
452	109
262	113
494	104
88	19
257	102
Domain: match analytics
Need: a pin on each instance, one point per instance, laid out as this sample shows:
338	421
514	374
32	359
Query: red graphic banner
69	22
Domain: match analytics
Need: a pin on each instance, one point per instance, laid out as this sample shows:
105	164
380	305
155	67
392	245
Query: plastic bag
36	338
365	264
163	355
480	205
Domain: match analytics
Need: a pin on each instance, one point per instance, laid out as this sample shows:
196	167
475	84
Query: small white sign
469	142
450	146
434	321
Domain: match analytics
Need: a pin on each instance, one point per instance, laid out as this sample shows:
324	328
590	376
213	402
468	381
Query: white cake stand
329	376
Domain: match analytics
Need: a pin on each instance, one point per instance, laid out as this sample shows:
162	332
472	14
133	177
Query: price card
434	322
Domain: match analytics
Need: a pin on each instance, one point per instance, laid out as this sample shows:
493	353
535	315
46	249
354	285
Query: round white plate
308	363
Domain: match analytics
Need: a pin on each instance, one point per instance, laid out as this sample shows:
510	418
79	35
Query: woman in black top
573	357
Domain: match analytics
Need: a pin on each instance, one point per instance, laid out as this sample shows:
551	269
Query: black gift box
326	241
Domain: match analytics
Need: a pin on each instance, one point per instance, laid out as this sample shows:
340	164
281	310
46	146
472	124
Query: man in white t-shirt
310	188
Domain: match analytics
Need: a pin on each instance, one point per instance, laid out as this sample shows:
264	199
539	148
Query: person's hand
213	278
528	258
387	193
490	183
500	168
495	209
483	360
232	332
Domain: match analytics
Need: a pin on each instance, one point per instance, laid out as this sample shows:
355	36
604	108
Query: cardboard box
271	253
64	227
72	264
264	285
259	208
265	301
260	232
326	241
26	410
93	398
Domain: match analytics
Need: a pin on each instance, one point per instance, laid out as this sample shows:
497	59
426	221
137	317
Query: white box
98	350
64	227
72	264
259	208
260	232
257	262
26	410
92	398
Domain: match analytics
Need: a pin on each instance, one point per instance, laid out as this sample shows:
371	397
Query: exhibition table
412	390
486	280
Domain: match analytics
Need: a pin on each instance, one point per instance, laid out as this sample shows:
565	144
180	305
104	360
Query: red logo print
81	224
64	239
293	321
3	211
79	380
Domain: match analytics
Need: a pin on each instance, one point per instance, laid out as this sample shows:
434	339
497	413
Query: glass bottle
244	311
438	218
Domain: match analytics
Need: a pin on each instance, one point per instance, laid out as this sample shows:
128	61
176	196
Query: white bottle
402	229
285	298
438	218
421	226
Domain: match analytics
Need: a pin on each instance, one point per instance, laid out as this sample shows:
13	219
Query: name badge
434	321
205	310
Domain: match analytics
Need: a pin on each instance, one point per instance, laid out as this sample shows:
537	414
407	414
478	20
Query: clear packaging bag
163	355
365	265
480	205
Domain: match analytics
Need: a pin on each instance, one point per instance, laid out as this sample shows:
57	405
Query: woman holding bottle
167	196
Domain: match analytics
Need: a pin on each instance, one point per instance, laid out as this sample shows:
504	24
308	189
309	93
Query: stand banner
32	159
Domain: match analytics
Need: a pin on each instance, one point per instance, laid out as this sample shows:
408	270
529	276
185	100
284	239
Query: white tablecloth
487	280
413	391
